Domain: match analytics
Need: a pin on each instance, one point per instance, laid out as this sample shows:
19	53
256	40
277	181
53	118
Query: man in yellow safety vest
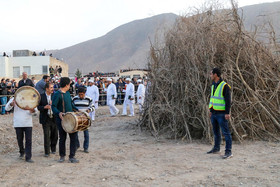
219	107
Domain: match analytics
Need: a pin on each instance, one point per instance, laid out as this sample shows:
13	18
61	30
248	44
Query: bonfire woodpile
179	88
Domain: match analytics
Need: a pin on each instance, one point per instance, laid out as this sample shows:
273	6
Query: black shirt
27	82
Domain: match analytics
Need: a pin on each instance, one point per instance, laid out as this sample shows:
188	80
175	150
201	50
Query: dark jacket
28	82
43	112
3	89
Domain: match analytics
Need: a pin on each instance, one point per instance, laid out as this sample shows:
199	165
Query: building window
27	69
16	72
44	70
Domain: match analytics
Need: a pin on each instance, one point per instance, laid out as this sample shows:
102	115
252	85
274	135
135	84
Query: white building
13	67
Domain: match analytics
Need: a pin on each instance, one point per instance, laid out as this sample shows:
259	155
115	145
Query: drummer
61	104
84	104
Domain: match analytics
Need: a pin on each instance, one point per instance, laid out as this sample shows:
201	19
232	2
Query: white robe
111	98
129	92
140	93
93	93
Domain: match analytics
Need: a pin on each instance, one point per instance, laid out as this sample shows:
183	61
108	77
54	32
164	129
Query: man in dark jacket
4	92
219	106
25	81
40	86
47	120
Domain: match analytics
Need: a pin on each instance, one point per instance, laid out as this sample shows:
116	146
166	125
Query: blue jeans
219	122
86	141
3	102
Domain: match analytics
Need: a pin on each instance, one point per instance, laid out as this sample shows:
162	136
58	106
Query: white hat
97	78
90	81
128	79
109	79
139	80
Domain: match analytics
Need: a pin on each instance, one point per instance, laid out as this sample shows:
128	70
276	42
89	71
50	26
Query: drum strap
63	105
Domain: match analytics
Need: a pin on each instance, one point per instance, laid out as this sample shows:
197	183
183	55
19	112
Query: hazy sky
56	24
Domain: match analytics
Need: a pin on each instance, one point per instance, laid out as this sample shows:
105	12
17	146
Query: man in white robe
140	95
93	93
129	98
111	97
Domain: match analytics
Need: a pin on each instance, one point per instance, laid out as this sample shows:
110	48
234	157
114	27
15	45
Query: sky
40	25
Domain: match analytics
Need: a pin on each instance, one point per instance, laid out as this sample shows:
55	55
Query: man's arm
227	97
55	101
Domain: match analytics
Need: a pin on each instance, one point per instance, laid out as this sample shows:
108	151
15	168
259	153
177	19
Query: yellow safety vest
217	100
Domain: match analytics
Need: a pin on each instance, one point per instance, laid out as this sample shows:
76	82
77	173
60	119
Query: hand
96	101
227	116
210	114
12	103
47	107
61	115
139	97
131	98
32	111
88	110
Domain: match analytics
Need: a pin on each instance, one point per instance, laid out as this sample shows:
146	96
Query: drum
27	97
75	121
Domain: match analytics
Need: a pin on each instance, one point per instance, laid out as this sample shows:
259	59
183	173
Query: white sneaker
124	114
117	112
112	115
130	115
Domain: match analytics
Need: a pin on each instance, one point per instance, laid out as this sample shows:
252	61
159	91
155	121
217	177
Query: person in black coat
25	81
47	120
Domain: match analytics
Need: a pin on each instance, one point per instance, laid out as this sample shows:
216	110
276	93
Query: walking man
219	106
93	93
111	97
61	104
129	98
47	120
140	95
84	104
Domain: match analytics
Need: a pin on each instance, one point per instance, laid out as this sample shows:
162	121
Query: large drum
76	121
27	97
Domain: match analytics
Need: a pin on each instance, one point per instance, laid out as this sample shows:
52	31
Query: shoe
53	152
21	155
86	151
117	112
130	115
124	114
29	161
62	159
112	115
77	148
214	151
46	155
227	155
73	160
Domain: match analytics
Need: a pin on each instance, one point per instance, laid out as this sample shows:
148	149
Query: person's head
65	82
3	80
82	92
24	75
46	78
79	81
139	81
127	80
90	82
109	81
49	88
215	74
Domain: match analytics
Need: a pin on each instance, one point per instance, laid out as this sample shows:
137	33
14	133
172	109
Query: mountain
127	46
260	14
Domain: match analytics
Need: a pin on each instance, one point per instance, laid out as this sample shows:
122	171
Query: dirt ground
122	155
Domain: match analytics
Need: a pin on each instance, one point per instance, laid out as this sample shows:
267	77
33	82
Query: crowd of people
62	95
84	95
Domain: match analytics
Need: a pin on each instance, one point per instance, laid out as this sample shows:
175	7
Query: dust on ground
123	155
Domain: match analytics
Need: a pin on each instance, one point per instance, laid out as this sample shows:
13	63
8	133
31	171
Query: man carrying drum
61	104
84	104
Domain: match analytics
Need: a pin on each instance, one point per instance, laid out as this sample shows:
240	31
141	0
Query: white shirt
22	118
93	93
129	91
140	91
111	91
49	101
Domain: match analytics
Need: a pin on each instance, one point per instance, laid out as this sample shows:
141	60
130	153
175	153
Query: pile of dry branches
179	87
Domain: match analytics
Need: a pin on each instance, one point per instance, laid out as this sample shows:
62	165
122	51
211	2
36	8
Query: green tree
78	74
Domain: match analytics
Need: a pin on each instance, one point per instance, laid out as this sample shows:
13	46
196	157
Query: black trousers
62	140
50	136
20	131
